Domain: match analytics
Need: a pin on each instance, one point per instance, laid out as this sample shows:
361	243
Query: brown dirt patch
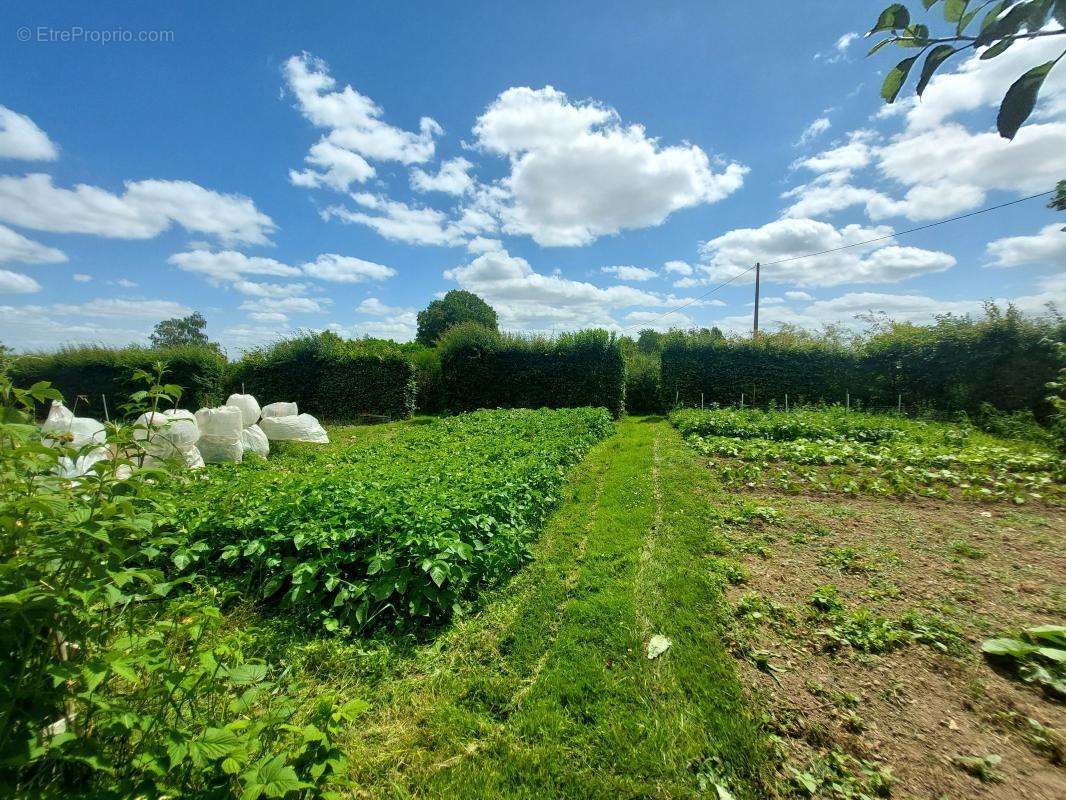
979	570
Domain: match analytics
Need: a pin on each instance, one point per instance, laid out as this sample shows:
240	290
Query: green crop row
831	451
403	528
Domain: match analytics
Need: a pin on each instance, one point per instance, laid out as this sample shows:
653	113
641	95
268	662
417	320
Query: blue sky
314	165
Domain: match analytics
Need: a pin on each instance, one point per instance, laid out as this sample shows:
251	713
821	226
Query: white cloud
338	168
375	308
126	283
144	210
286	305
814	130
855	153
844	42
81	277
118	307
577	174
16	283
355	134
797	296
1047	248
626	273
453	178
480	244
678	267
268	316
657	321
346	269
738	250
229	265
401	222
16	247
21	139
256	289
530	300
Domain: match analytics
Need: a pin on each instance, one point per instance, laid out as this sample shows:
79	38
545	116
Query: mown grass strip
547	692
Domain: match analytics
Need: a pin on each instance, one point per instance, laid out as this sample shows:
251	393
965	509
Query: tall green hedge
955	365
643	383
90	372
484	369
329	377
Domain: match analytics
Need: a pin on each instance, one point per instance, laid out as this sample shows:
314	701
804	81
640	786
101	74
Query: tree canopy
180	331
455	307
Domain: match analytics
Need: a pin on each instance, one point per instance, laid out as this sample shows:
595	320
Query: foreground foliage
831	450
401	529
117	679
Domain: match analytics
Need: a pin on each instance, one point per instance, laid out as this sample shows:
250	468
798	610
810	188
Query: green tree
179	331
989	28
649	341
454	308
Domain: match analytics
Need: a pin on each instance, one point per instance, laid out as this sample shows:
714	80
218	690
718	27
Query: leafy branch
1002	23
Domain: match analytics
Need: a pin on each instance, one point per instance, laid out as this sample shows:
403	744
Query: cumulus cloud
144	210
729	255
400	221
286	305
17	283
678	267
16	247
577	174
81	277
21	139
229	265
627	273
453	178
1047	248
356	133
346	269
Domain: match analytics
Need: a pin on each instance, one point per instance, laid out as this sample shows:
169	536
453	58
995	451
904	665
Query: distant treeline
957	364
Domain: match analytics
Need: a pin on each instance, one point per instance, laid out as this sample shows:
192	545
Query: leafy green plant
1038	657
403	529
116	676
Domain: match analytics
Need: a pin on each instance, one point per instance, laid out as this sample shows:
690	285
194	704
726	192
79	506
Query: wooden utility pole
758	269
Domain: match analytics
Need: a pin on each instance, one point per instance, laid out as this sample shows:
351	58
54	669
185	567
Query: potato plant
399	530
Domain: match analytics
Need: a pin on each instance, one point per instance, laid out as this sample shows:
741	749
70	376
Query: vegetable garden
527	602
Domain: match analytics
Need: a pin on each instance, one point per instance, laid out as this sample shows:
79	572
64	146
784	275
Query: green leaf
936	57
1020	99
881	44
997	49
1052	634
895	17
1060	12
244	673
277	778
1006	648
954	9
993	14
217	743
896	78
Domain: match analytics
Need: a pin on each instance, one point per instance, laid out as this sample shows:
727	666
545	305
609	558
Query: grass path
546	691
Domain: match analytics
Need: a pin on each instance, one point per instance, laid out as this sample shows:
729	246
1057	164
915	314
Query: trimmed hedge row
329	377
484	369
958	364
92	372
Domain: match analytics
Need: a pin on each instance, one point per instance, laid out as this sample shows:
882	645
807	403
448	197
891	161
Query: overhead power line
709	292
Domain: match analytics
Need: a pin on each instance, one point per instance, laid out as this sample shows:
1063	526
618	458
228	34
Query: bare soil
984	570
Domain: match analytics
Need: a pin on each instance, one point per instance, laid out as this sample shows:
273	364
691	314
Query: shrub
91	372
429	397
484	369
456	307
330	377
643	379
117	680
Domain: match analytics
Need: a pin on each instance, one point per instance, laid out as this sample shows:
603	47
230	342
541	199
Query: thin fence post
899	404
242	388
742	399
701	401
847	401
107	417
786	402
677	396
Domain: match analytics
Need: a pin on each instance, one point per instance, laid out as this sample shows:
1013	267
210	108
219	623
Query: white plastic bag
248	405
255	441
294	428
171	435
82	430
279	410
220	434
